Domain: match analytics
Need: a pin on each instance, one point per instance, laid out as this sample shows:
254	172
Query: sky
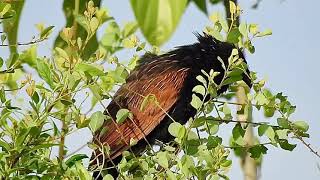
289	60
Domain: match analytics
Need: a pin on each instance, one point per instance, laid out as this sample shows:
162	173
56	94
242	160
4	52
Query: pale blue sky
288	59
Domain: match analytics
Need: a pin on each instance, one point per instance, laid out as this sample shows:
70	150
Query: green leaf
150	98
118	75
192	136
213	141
224	23
226	163
62	53
73	159
282	133
171	175
1	62
94	24
91	69
130	42
234	36
301	125
22	136
129	28
133	142
267	130
225	109
216	34
44	71
35	97
162	159
196	101
249	46
141	46
213	127
269	111
199	89
233	7
66	102
96	121
253	29
2	95
108	177
46	32
82	172
284	144
202	5
29	56
158	19
186	164
243	29
202	80
122	115
238	134
258	150
261	99
4	9
198	122
267	32
111	38
175	129
231	80
3	38
282	122
5	146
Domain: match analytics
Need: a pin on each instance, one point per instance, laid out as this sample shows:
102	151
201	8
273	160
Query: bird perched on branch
169	78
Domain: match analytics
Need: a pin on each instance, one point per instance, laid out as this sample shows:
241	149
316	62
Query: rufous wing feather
165	86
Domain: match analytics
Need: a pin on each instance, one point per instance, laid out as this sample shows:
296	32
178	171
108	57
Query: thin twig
7	71
7	17
24	44
247	146
308	145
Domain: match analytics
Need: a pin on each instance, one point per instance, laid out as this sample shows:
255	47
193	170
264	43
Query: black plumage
170	78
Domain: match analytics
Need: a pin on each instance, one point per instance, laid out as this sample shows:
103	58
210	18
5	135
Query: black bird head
205	55
213	48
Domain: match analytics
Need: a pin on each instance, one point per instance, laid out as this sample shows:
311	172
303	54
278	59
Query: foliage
73	77
160	19
69	10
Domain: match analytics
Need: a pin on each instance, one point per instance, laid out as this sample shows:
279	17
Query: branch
308	145
248	146
7	71
241	121
7	17
23	44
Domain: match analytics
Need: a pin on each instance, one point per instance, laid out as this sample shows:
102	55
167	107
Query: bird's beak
246	78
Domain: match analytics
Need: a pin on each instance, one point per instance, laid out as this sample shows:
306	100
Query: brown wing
165	86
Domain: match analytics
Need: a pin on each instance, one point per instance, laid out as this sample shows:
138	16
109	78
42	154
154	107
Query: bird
169	78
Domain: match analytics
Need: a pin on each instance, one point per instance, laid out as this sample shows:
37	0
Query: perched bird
170	78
